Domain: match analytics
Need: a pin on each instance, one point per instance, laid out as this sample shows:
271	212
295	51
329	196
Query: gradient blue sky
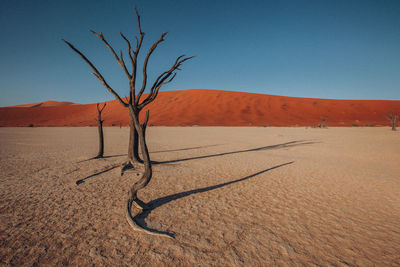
322	49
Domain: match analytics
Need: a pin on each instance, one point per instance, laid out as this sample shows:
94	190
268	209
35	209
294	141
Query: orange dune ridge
49	103
210	108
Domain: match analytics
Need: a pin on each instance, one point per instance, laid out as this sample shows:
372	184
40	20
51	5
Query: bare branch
120	61
101	110
129	47
132	79
139	43
157	81
138	16
170	80
135	53
163	79
97	74
151	50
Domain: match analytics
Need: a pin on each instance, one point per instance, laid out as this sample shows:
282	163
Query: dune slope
212	108
49	103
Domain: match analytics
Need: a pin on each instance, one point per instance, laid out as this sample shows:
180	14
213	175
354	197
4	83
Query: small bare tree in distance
134	105
100	128
322	124
392	117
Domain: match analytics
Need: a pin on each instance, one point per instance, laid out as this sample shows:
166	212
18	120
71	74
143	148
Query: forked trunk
143	181
133	147
146	176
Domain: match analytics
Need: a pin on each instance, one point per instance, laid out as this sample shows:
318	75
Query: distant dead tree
134	105
392	117
322	124
100	128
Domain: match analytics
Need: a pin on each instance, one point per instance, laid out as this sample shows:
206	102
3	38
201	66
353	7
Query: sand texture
210	108
232	196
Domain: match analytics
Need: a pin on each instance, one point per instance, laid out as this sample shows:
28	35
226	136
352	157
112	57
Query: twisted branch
97	74
163	79
151	50
120	61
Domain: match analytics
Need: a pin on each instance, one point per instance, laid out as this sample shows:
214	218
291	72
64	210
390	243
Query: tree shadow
152	205
81	181
115	156
104	157
182	149
151	152
283	145
278	146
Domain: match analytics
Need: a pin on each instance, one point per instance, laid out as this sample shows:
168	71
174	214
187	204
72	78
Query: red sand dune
211	108
49	103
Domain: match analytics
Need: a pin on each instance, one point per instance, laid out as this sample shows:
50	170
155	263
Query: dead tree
100	128
134	105
392	117
322	124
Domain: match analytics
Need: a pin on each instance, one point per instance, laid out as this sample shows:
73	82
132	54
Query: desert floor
232	196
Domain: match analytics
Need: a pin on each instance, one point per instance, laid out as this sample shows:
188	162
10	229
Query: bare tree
100	128
392	117
322	124
134	104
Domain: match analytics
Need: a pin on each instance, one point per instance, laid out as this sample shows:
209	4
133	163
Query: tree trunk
146	176
100	128
101	139
133	147
394	122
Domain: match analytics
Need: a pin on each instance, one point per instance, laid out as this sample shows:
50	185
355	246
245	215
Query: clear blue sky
324	49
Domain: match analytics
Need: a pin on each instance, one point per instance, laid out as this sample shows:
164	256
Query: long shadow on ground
283	145
104	157
152	205
81	181
151	152
182	149
278	146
